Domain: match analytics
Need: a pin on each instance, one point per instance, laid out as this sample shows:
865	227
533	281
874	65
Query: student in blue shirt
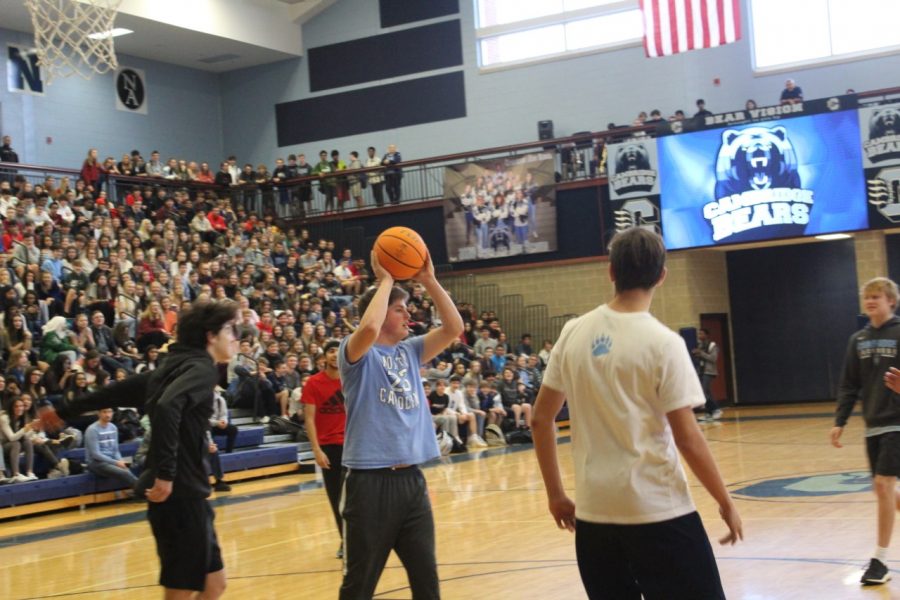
389	433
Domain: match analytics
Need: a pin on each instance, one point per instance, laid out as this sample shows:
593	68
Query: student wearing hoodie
178	397
870	375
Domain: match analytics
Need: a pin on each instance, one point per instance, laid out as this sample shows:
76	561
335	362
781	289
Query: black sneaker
876	574
340	552
221	486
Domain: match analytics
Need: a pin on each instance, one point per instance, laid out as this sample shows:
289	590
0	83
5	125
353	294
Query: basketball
401	252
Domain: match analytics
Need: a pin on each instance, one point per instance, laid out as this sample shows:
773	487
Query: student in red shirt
325	418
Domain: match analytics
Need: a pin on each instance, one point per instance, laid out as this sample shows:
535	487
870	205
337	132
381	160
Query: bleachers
256	454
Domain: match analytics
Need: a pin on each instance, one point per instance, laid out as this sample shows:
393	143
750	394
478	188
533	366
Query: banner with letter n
632	168
131	90
23	73
500	207
879	128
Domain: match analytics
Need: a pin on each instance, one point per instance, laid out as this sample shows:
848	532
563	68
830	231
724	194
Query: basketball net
61	35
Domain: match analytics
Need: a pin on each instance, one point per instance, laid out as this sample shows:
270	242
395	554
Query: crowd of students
91	290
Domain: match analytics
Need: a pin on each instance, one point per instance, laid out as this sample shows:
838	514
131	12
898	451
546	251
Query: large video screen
759	181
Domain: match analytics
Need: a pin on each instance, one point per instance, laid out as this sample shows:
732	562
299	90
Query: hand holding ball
401	252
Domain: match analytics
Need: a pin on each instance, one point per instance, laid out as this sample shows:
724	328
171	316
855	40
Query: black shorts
884	453
669	560
185	542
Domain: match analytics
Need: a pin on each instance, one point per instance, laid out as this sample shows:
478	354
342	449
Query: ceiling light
110	33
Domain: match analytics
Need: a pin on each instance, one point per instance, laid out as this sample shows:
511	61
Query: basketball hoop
74	36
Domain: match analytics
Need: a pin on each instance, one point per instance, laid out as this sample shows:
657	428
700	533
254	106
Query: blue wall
503	107
184	117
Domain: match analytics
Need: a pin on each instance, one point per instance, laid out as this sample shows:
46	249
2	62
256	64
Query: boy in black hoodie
870	374
178	397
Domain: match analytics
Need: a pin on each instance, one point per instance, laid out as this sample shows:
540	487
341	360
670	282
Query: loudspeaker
545	130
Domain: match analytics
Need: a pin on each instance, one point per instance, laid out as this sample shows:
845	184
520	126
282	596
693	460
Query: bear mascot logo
755	158
632	157
758	192
884	121
633	170
884	135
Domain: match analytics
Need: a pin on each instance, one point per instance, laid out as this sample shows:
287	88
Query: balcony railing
578	157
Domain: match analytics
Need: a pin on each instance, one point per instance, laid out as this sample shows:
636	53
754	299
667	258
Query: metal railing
577	157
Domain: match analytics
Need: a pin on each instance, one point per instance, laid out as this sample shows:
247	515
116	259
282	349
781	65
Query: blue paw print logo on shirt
601	345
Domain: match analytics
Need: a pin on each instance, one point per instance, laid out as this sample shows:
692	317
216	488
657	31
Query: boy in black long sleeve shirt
178	397
870	373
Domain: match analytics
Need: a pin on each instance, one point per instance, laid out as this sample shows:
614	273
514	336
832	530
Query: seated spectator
491	403
499	358
151	357
215	466
791	94
750	105
17	337
16	367
219	421
484	342
254	390
50	449
471	417
101	445
488	369
441	371
82	336
443	418
15	437
105	343
515	402
544	354
56	341
524	345
152	327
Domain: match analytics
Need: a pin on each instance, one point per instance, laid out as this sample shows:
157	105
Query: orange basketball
401	252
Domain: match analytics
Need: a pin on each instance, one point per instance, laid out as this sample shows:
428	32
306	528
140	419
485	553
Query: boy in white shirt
464	414
631	387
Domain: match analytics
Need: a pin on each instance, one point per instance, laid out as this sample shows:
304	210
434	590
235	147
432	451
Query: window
521	31
805	32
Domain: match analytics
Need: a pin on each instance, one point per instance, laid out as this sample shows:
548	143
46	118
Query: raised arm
451	322
370	324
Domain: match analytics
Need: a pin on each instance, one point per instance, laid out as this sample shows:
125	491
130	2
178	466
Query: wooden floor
808	515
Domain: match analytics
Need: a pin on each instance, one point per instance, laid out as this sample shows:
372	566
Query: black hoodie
870	353
178	396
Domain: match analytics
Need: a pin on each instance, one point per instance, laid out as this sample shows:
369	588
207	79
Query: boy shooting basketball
870	374
178	397
389	432
631	388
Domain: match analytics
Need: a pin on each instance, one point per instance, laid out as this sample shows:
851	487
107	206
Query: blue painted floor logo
830	484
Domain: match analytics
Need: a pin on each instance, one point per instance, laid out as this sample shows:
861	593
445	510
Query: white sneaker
20	478
476	441
31	477
717	414
63	466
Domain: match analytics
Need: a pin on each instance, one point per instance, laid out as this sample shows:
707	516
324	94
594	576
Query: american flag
673	26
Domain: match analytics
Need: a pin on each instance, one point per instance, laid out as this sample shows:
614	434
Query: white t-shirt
621	373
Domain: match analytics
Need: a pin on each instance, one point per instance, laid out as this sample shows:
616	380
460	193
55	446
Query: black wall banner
632	166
